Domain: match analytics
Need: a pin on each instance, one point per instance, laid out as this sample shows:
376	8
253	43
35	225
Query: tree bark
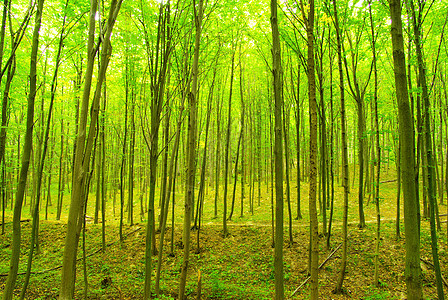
191	142
430	169
277	73
314	235
226	159
406	133
378	149
298	121
158	81
26	154
345	169
84	145
35	222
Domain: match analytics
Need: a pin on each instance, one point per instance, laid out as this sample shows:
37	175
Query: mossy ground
239	266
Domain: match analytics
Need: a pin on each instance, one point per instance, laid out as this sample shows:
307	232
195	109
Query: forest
240	149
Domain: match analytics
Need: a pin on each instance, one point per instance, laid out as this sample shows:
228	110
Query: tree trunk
243	128
226	160
298	121
204	160
277	73
398	164
170	189
10	68
61	180
218	151
103	170
158	81
166	139
288	190
378	150
26	154
191	153
236	174
430	169
331	166
84	145
406	133
314	247
345	169
123	156
131	161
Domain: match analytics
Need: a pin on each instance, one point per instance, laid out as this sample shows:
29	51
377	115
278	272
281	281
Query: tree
377	145
314	234
10	67
84	144
171	186
158	62
407	158
358	93
226	157
191	142
430	170
35	223
26	154
277	73
345	182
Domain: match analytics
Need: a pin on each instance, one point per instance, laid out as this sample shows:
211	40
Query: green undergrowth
239	266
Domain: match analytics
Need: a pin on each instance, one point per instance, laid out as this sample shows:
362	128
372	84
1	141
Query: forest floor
239	266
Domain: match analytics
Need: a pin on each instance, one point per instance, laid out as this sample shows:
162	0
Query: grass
237	267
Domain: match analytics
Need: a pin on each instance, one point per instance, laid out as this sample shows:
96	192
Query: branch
320	267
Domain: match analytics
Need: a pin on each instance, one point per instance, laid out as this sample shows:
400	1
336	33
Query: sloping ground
237	267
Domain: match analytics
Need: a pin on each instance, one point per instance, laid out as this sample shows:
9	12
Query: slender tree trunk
6	7
345	169
204	158
226	161
331	166
123	157
243	128
361	149
35	222
271	159
218	151
259	152
10	68
5	105
298	121
236	175
288	190
158	82
103	170
131	161
84	145
398	164
406	132
430	159
61	179
3	195
277	72
191	142
98	181
378	150
166	138
27	147
322	135
171	185
314	236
